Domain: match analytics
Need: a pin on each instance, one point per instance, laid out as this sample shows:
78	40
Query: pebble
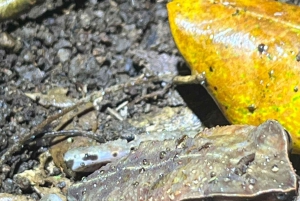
47	37
28	57
85	20
64	55
51	197
62	43
9	43
72	42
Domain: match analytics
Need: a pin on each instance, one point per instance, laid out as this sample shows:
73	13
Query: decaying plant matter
249	55
12	8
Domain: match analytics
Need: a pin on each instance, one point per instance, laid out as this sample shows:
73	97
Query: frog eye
129	138
281	196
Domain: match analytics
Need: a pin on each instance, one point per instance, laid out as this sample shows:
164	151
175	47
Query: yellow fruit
249	52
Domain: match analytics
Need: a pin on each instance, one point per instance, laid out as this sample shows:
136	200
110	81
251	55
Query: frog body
221	163
249	55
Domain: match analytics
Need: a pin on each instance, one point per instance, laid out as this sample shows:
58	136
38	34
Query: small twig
70	115
115	114
32	134
98	95
179	80
190	79
153	94
73	133
122	105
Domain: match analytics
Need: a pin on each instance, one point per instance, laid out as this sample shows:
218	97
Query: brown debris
212	165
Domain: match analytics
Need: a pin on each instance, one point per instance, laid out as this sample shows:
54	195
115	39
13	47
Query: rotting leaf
55	97
182	174
168	123
237	52
37	179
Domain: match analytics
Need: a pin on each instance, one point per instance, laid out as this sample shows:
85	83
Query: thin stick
92	97
32	134
73	133
190	79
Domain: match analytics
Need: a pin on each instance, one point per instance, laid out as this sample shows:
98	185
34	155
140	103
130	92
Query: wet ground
84	47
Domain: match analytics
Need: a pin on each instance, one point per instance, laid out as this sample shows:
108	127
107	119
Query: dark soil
92	44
